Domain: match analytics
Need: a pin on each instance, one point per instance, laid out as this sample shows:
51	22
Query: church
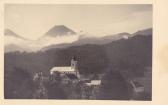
72	69
72	73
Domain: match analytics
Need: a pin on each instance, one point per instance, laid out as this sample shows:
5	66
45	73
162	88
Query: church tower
74	65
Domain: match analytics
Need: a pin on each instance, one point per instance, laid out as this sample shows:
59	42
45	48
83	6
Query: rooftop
62	69
94	82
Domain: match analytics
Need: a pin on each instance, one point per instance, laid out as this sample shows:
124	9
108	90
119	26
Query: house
146	80
72	69
93	83
137	87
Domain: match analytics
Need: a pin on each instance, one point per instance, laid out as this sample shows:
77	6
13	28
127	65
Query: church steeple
74	65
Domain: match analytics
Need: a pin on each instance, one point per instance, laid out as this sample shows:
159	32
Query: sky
34	20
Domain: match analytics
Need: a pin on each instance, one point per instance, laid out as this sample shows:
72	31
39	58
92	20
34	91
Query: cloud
36	45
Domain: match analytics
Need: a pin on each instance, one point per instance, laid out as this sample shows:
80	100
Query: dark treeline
20	85
114	87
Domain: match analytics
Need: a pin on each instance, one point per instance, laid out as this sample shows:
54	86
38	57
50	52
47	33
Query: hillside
144	32
131	53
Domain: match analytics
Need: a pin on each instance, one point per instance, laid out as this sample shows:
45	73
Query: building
93	83
137	87
72	69
95	80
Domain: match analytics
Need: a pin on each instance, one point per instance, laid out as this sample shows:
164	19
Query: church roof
62	69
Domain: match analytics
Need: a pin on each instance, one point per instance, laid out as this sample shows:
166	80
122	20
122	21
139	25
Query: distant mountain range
61	36
99	40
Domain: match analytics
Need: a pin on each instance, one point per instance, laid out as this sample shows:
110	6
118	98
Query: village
66	82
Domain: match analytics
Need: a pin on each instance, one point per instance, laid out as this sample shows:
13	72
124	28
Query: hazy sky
34	20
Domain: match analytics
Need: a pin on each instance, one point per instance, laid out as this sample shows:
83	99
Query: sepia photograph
78	51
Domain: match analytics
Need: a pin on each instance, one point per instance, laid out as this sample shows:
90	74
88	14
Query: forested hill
124	53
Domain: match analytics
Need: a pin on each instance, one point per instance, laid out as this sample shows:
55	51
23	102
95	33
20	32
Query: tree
54	87
18	84
114	87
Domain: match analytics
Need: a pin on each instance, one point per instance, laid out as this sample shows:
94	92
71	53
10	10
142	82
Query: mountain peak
60	30
9	32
